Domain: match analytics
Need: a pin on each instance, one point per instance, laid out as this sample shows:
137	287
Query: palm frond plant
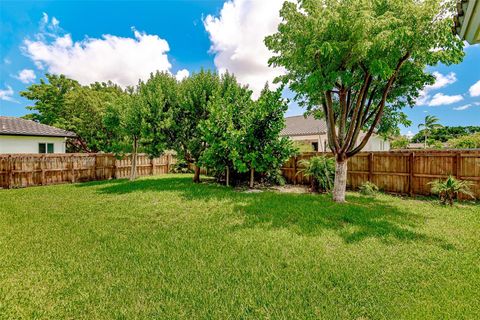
430	125
369	189
449	189
320	170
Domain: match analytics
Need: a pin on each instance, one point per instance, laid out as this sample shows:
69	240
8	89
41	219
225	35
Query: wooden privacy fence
23	170
404	172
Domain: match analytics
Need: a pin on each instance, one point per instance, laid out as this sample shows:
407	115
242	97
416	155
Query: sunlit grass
163	247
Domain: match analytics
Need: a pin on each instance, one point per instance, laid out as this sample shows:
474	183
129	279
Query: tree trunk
252	177
133	172
340	183
196	175
425	143
227	174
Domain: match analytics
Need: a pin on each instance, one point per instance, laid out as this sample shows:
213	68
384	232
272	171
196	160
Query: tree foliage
465	142
195	92
443	134
400	142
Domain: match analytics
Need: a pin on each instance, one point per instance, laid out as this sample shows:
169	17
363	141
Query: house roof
467	20
21	127
301	126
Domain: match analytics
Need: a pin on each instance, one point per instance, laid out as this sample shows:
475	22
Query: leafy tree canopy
446	133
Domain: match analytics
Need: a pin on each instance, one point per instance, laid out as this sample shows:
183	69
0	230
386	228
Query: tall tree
49	96
85	109
357	60
430	124
196	92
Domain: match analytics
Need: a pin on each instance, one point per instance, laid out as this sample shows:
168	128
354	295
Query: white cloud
55	22
475	89
182	74
440	99
7	94
441	81
7	61
26	76
121	60
237	36
464	107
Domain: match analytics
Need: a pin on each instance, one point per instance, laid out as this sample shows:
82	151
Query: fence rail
403	172
24	170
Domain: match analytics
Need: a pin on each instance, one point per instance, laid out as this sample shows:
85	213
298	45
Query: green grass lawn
162	247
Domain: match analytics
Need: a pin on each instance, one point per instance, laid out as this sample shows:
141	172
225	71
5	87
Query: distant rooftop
21	127
301	126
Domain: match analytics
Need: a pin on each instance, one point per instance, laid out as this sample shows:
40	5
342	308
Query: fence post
295	170
9	172
42	168
370	167
168	163
410	171
457	163
152	166
72	168
114	167
95	166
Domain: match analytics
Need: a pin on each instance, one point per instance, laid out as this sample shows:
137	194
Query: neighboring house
467	21
18	135
312	131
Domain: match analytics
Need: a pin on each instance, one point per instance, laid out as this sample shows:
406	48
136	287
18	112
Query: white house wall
375	143
29	144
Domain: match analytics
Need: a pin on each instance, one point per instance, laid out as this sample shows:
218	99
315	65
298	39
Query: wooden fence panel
23	170
404	172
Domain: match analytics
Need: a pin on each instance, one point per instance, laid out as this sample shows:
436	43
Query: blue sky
125	40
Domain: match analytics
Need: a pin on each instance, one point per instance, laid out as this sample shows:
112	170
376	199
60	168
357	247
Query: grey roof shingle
301	125
21	127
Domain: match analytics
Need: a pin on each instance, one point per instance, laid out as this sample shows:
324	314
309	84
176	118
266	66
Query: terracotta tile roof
301	125
21	127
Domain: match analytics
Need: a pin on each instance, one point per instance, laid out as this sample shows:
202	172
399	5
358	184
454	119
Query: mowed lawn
162	247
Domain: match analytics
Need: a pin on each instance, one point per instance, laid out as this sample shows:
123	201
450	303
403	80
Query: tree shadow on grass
306	214
358	219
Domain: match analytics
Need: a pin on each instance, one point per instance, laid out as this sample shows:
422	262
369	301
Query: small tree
196	92
264	149
224	129
400	142
159	102
126	118
359	61
430	124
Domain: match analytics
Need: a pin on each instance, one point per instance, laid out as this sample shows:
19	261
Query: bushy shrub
181	166
466	142
449	189
368	189
400	142
321	170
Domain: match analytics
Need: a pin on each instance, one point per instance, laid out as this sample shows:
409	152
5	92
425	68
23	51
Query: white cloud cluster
475	89
7	94
441	99
441	81
26	76
182	74
119	59
237	36
461	108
